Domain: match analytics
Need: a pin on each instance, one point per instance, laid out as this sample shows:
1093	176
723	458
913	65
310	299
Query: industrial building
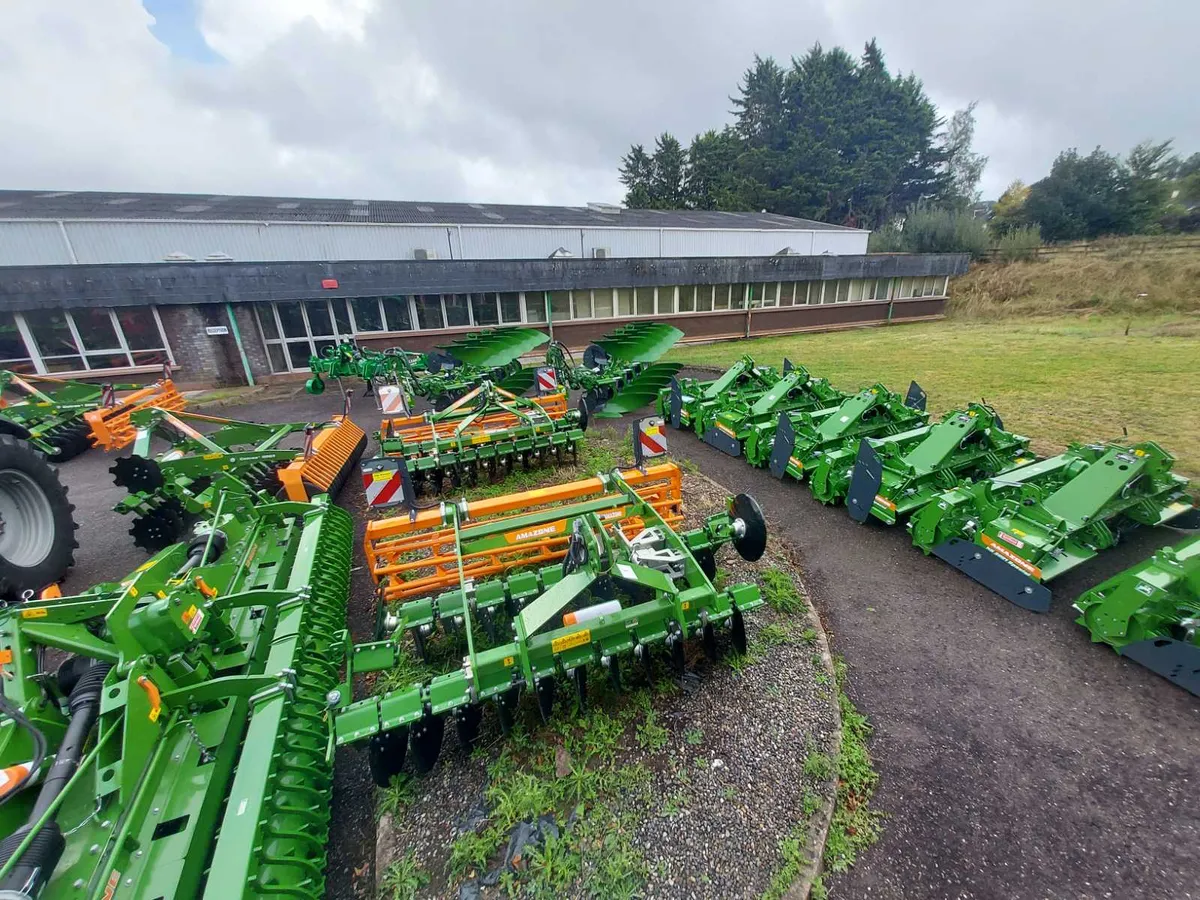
232	289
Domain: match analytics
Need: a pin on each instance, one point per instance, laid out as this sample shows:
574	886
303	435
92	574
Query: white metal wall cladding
32	244
43	243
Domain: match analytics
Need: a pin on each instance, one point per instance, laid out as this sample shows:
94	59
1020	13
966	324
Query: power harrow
747	424
536	588
1020	529
1150	613
889	478
182	748
486	432
169	491
802	438
692	403
64	418
619	372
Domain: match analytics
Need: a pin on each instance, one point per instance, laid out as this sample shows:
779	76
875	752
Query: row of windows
44	342
294	330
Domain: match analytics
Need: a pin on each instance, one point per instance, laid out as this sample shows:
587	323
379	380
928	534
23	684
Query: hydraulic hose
36	865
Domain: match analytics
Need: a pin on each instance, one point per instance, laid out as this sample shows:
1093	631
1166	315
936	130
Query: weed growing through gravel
779	590
403	879
694	737
817	766
651	736
395	798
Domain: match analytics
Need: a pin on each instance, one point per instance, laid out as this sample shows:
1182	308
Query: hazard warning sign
649	439
547	380
383	481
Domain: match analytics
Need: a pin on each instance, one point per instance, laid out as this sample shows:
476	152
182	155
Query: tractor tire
37	529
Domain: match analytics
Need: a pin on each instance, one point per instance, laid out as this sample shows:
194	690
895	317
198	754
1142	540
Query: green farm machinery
692	403
889	478
181	744
802	438
374	367
619	372
1150	613
538	588
170	490
745	425
1024	527
64	418
485	433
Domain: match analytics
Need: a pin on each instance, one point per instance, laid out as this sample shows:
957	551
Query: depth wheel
37	529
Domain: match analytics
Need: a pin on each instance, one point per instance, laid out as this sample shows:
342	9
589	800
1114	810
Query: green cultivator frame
802	438
182	748
746	424
693	404
619	373
1150	613
617	581
892	477
1020	529
169	491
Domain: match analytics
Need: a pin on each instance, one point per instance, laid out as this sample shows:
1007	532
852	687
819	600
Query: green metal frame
619	373
50	413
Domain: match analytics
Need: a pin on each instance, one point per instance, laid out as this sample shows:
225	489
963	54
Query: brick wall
207	360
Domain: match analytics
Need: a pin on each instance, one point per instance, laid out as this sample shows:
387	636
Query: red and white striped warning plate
652	438
547	380
382	482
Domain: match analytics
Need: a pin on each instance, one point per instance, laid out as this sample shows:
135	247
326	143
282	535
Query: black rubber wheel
37	529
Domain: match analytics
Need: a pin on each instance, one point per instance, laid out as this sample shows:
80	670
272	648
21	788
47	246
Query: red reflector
329	283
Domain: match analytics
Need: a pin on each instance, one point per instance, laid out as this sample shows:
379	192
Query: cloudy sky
519	101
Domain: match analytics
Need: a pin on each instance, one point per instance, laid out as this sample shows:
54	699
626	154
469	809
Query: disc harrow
621	585
803	438
170	490
892	477
485	434
183	747
1150	613
64	418
1020	529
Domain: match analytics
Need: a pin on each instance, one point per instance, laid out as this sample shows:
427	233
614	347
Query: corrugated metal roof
198	207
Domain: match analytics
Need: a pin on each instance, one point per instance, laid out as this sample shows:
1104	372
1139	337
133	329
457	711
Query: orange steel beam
111	428
416	428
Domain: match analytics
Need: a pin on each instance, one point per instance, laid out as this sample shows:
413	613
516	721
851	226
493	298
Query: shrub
1019	243
928	229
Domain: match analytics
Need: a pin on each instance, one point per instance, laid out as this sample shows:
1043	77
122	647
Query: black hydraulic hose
33	870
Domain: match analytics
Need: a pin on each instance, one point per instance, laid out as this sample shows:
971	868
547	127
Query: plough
64	418
1020	529
181	748
557	580
747	424
892	477
485	432
169	491
802	438
619	372
1150	613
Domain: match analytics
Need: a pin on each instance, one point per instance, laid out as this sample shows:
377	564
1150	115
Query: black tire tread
15	580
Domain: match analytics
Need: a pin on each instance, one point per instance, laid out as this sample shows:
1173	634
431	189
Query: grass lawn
1055	380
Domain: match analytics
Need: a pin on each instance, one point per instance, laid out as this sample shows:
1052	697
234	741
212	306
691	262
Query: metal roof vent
54	194
218	257
562	253
358	211
492	215
610	209
787	251
425	209
193	207
287	205
178	256
121	201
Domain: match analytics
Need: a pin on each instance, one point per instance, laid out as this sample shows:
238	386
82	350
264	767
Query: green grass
403	879
779	590
1057	380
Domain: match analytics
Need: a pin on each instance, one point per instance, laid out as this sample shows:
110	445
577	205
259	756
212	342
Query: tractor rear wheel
37	530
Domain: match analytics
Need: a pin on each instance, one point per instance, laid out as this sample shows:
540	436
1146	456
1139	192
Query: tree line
842	139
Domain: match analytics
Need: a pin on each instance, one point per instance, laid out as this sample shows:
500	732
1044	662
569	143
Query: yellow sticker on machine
480	438
572	640
384	475
39	613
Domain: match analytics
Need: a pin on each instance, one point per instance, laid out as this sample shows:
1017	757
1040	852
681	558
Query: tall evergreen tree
964	166
667	173
635	173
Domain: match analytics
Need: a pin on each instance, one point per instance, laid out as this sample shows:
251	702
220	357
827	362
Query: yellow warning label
39	613
480	439
569	641
508	661
385	475
212	455
188	613
5	657
1023	564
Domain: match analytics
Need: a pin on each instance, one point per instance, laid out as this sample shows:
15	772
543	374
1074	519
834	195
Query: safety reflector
649	439
547	380
391	400
383	481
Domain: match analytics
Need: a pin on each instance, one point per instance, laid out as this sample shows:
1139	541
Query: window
429	312
856	289
602	303
704	298
720	296
368	313
291	319
398	313
787	293
737	296
294	330
341	319
666	301
878	289
624	301
510	308
93	339
906	288
687	298
535	306
581	304
484	309
457	312
645	301
560	305
770	294
319	319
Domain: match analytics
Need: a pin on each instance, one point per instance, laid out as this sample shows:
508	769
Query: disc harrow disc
751	543
136	474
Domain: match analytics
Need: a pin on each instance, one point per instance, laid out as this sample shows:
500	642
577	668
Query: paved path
1018	760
